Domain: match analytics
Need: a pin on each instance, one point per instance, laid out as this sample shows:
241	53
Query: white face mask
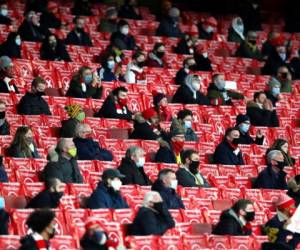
141	162
220	84
111	64
282	56
18	41
4	12
116	184
174	184
240	28
209	29
196	85
205	54
191	50
125	30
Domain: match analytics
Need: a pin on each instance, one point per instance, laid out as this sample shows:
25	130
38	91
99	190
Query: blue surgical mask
276	91
282	56
187	124
18	41
88	79
2	203
244	127
111	64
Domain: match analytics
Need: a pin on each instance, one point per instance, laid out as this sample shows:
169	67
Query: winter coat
169	28
68	128
16	152
124	42
224	154
44	199
59	54
32	104
185	96
82	40
246	51
75	90
187	179
4	88
245	138
216	96
180	76
32	33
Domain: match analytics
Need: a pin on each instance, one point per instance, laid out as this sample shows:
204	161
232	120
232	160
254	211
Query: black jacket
224	155
295	67
169	195
4	128
49	20
233	36
169	28
124	42
32	104
10	49
180	76
4	89
272	64
182	48
89	244
17	152
30	32
187	179
82	40
5	20
81	8
267	48
271	97
68	128
127	11
251	16
245	138
143	131
44	199
185	96
65	170
245	51
165	155
28	243
203	34
295	196
148	222
203	63
108	110
4	219
229	225
267	179
75	90
60	53
133	173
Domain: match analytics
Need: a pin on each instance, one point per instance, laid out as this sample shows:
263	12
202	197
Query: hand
96	81
259	134
268	105
288	222
118	69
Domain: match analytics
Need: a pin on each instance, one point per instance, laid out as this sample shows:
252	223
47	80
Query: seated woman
156	56
110	70
85	84
12	46
23	145
283	146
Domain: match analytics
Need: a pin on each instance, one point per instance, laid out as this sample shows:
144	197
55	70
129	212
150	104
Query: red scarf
139	76
177	146
40	242
233	146
247	228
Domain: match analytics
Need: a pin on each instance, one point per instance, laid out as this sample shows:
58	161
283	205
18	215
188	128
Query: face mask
18	41
72	152
244	127
282	56
29	140
275	91
116	185
2	115
40	93
235	141
209	29
187	124
177	146
220	84
158	206
196	85
240	28
205	54
80	117
99	237
280	165
122	102
141	64
88	79
4	12
193	67
193	167
160	54
249	216
111	64
174	184
141	162
124	30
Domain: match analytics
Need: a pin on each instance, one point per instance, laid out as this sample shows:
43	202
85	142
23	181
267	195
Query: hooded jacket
30	32
58	54
76	90
10	48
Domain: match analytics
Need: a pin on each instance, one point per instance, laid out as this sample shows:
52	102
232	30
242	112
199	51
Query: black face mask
193	167
280	165
235	141
141	64
2	115
39	93
193	67
252	42
160	54
249	216
80	30
158	206
284	75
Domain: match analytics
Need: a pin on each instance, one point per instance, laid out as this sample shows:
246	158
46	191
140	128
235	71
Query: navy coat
224	155
165	155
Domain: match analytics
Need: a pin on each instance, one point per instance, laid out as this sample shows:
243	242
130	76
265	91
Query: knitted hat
284	201
241	118
157	97
174	12
177	131
73	110
211	21
274	83
111	11
149	113
5	62
92	221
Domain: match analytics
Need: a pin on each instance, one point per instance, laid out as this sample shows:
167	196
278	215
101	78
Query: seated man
243	125
217	93
261	111
4	126
273	91
249	48
170	153
115	105
50	196
78	36
284	76
7	83
228	152
107	194
188	175
189	65
207	28
236	220
32	103
166	186
153	218
66	168
132	167
273	176
87	148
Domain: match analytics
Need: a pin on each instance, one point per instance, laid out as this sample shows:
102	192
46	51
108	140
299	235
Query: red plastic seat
195	241
124	216
232	193
11	242
80	190
142	242
62	242
25	176
192	216
170	242
241	242
74	216
10	189
68	202
103	214
32	189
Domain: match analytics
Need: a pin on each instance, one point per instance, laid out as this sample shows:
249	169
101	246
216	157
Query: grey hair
79	128
149	197
61	143
132	150
272	154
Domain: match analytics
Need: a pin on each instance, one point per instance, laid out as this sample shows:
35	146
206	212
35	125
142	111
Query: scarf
40	242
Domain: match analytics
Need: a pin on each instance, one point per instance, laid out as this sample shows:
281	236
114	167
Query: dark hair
116	91
257	94
78	75
229	130
157	45
76	18
122	23
162	173
187	59
37	80
12	36
215	76
187	154
137	54
51	182
40	219
19	140
240	204
278	143
184	113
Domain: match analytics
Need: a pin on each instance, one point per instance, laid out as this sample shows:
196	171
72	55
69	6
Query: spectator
146	126
129	10
189	93
7	83
115	105
170	153
243	125
236	31
49	17
23	145
4	19
12	46
3	174
132	167
273	91
261	111
50	196
32	103
76	115
169	25
110	71
114	50
53	49
283	146
65	168
285	78
250	11
81	8
135	69
249	48
166	186
268	47
203	63
4	218
109	23
153	218
85	84
185	121
42	225
228	152
276	228
31	29
87	148
186	45
294	189
78	36
207	28
273	176
122	38
189	65
156	56
188	175
4	125
160	103
107	194
295	65
236	220
218	94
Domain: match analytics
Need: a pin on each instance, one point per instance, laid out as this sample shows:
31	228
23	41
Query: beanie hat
5	62
73	110
157	97
177	131
92	221
149	113
111	11
274	83
241	118
211	21
284	201
174	12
